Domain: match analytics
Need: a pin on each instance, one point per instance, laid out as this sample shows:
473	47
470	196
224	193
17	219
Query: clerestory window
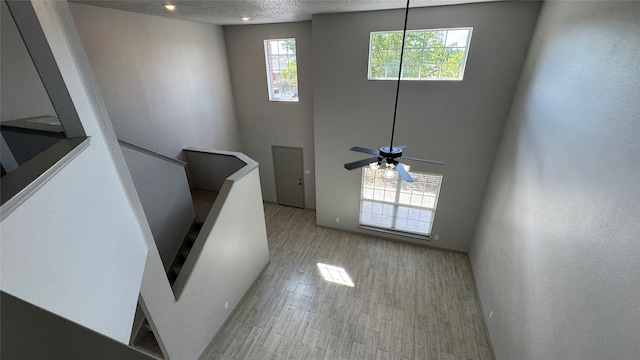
437	54
282	69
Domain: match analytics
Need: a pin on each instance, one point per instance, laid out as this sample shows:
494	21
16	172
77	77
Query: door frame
275	177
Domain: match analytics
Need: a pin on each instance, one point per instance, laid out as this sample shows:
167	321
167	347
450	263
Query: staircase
203	200
214	212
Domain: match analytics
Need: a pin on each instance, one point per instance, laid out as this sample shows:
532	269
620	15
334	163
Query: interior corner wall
22	94
165	197
264	123
458	122
556	255
165	82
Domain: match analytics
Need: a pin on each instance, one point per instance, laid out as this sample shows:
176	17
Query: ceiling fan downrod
395	109
391	155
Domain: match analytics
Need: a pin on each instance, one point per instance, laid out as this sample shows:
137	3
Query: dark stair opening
203	200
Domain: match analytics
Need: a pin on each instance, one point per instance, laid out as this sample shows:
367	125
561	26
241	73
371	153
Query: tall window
439	54
399	205
282	69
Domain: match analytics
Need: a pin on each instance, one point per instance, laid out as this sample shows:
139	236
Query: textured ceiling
229	12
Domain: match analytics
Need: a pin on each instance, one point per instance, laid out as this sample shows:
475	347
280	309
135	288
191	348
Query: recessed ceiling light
170	7
245	18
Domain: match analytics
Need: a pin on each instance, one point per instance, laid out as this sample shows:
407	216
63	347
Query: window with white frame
437	54
399	205
282	69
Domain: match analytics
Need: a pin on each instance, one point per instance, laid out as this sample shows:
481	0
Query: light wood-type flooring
408	302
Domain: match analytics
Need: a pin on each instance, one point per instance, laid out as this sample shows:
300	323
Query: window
399	205
439	54
282	69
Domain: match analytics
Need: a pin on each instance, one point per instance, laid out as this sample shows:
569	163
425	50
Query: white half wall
556	255
264	123
458	122
76	247
228	255
165	82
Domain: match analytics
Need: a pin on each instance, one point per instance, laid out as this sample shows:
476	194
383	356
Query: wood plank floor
408	302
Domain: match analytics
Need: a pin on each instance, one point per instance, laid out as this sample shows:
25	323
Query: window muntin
436	54
399	205
282	69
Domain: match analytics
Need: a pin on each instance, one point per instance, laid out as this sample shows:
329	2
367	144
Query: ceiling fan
390	155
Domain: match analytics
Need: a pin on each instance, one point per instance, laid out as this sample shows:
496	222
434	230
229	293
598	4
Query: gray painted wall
165	82
22	94
57	338
264	123
164	193
24	146
556	253
210	171
459	123
77	246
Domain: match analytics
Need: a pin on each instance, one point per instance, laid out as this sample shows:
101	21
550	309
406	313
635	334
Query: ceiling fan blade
424	160
360	163
365	150
403	173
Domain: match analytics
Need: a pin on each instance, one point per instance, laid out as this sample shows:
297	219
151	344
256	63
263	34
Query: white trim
151	153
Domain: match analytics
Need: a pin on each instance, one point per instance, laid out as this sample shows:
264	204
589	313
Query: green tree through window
429	54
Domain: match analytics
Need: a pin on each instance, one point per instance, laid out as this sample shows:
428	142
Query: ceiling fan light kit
390	155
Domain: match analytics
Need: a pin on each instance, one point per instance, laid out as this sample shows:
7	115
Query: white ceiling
230	12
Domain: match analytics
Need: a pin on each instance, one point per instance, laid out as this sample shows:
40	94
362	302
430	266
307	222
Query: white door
289	175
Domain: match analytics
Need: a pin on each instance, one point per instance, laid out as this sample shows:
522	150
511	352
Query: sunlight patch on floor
335	274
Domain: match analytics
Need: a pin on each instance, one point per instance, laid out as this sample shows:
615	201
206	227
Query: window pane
376	214
395	40
432	55
380	41
411	70
379	56
377	71
367	193
434	38
390	184
391	69
429	70
393	56
429	201
416	200
405	198
415	40
457	38
450	70
390	196
412	55
414	220
453	55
